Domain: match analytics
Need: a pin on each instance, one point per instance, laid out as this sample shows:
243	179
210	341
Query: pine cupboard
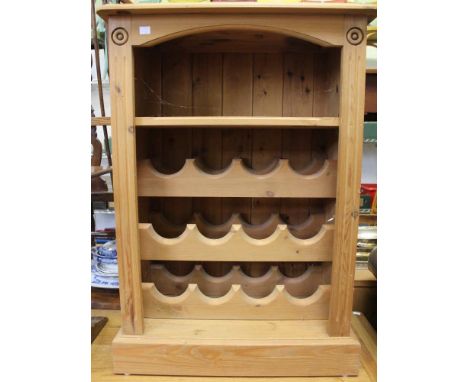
237	141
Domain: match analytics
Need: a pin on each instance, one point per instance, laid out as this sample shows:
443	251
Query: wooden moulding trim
238	181
235	7
236	245
303	230
235	304
241	122
300	286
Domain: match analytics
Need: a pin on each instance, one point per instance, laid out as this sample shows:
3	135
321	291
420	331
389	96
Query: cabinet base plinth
235	348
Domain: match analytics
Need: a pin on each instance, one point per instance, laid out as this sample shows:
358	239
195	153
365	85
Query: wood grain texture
193	83
237	100
100	121
237	181
176	145
125	191
307	228
148	86
238	121
266	144
101	354
239	8
353	69
235	246
298	85
239	348
237	84
301	286
235	304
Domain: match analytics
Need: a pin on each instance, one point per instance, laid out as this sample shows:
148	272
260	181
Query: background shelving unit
237	133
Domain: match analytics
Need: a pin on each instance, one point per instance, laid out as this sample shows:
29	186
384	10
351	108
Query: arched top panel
325	30
242	29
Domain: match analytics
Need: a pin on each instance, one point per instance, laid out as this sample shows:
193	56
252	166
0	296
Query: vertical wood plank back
298	85
236	143
298	79
125	181
207	85
266	144
268	85
237	84
237	100
353	70
326	83
207	143
176	143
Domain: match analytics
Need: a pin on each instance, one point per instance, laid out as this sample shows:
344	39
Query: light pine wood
301	286
327	83
239	8
353	71
216	84
235	304
236	42
125	192
235	246
240	348
266	144
207	88
240	122
256	231
101	355
304	230
237	88
325	30
100	121
148	86
177	101
298	80
237	181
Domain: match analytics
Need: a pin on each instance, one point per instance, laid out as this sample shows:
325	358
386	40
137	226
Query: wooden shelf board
235	246
236	7
235	304
236	180
100	121
239	348
245	122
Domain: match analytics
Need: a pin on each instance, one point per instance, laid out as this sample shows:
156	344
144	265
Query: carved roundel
119	36
355	36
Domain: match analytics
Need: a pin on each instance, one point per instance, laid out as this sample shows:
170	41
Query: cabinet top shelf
235	7
267	122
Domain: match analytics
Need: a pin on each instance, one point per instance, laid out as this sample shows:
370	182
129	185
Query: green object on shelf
370	132
365	203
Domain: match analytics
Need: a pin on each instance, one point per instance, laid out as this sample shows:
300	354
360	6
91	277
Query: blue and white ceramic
108	250
104	269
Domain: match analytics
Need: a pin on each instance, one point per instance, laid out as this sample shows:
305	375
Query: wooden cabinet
237	139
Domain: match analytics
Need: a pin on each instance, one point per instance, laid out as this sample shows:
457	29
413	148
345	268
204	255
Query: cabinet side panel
125	181
353	68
